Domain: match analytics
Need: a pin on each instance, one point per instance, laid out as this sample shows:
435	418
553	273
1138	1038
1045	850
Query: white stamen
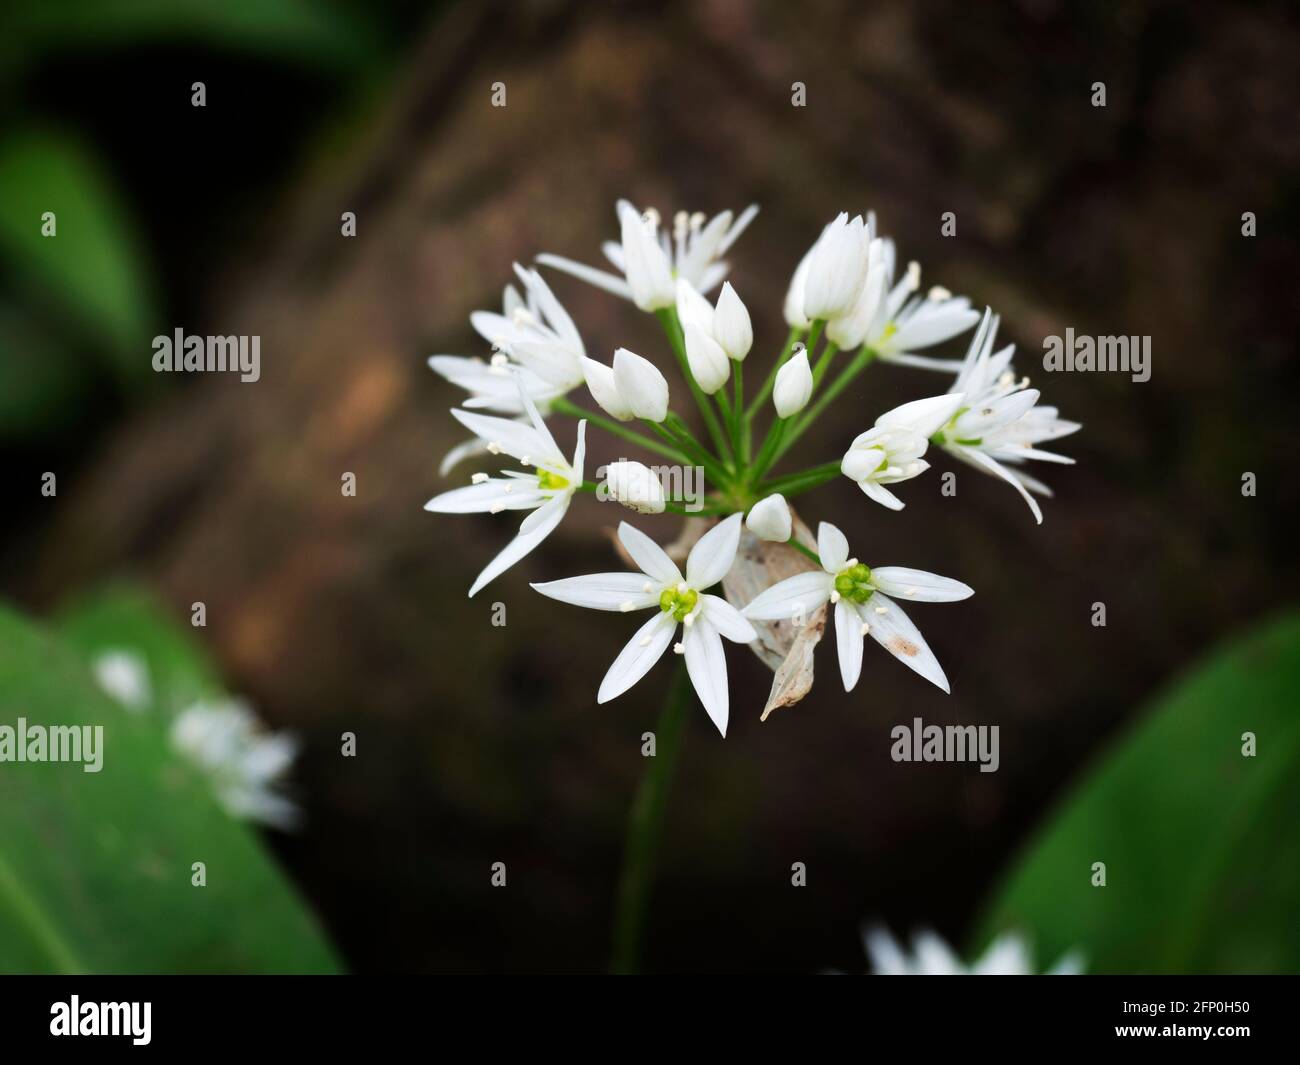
910	591
523	316
650	217
524	461
913	275
478	478
882	610
865	628
683	587
497	508
938	294
494	447
647	587
627	607
835	596
697	220
679	649
500	359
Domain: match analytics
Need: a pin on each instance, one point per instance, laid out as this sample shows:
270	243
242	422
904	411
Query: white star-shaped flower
905	323
675	600
649	259
999	424
1008	955
547	491
892	450
861	607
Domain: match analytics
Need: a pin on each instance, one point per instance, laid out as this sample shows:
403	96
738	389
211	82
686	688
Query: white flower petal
514	438
600	382
919	586
602	591
894	631
713	554
498	493
707	666
990	465
635	660
848	642
600	278
642	386
881	495
832	546
925	417
727	619
796	596
540	523
647	554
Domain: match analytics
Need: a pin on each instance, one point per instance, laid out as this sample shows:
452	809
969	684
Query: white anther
882	610
910	591
698	219
679	649
524	461
478	478
938	293
683	587
835	596
865	628
497	508
627	607
647	588
913	276
500	359
494	447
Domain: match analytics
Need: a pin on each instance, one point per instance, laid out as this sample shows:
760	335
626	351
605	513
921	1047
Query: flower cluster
847	306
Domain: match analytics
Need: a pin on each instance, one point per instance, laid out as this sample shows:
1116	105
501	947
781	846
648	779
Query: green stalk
824	363
674	429
572	410
739	424
792	542
797	483
673	328
645	828
768	453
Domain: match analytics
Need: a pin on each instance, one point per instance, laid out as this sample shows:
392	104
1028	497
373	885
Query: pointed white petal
848	642
647	554
514	438
498	493
727	619
795	596
635	660
459	454
540	524
602	591
923	416
881	495
609	282
894	631
919	586
832	546
707	666
977	458
713	554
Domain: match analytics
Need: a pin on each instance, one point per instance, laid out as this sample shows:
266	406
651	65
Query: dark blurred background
480	744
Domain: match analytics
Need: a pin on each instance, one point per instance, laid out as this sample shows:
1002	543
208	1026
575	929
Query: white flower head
1008	955
604	390
893	450
1000	424
640	384
676	600
648	258
635	486
692	307
862	607
125	676
246	763
546	489
708	362
794	385
732	328
769	519
837	268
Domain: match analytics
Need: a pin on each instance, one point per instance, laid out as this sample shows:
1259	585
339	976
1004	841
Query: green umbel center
677	603
854	583
550	481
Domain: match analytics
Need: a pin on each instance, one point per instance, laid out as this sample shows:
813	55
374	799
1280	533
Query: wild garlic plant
847	306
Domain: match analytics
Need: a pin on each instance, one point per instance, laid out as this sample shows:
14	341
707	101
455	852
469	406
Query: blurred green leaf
95	868
1202	858
92	268
38	377
313	32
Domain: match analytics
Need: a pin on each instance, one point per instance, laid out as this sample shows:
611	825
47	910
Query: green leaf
307	30
91	268
95	868
1201	852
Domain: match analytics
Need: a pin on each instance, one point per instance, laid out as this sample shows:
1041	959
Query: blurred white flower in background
1008	955
246	763
125	676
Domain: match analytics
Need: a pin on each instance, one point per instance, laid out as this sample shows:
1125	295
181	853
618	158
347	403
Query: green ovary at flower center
854	583
678	603
549	481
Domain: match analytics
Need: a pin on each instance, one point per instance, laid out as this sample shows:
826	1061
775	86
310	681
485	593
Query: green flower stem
673	328
572	410
824	363
766	390
645	828
674	430
794	484
864	358
739	423
767	455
